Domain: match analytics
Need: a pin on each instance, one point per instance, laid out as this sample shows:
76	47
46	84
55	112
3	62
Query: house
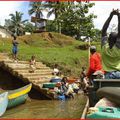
86	39
4	33
40	23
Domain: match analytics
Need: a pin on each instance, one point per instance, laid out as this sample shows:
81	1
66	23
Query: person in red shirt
95	62
95	67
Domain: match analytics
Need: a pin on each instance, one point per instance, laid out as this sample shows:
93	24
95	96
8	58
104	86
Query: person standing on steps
15	48
110	47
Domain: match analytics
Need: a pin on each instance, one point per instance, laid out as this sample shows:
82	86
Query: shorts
14	50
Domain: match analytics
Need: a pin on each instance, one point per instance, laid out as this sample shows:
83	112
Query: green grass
67	56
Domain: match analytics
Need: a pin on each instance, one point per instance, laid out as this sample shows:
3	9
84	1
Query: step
25	67
36	74
36	71
39	81
39	77
21	62
38	64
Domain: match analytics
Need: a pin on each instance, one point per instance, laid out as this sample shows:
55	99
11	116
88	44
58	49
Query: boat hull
17	101
18	96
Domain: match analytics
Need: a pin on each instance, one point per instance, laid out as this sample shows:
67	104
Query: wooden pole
89	49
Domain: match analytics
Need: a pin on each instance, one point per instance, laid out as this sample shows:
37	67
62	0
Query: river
71	108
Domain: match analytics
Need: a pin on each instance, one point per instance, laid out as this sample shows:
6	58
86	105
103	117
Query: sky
9	7
102	9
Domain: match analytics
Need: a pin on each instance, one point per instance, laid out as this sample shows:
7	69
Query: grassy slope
51	48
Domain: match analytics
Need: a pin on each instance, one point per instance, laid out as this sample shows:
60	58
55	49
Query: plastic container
105	112
55	80
49	85
61	97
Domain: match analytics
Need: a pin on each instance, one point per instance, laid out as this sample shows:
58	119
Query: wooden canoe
85	109
3	102
111	93
18	96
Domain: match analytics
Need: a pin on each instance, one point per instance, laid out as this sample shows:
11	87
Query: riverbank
50	49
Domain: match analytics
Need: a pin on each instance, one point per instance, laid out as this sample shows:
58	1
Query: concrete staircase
21	69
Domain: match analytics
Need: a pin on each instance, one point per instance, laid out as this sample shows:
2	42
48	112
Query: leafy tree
50	26
29	27
15	24
96	34
73	18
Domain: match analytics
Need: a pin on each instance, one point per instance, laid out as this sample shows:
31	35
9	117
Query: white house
4	33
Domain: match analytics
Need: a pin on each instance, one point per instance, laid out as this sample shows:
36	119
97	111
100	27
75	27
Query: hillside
47	39
51	48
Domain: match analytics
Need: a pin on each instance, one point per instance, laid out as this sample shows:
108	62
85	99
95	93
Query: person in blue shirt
15	48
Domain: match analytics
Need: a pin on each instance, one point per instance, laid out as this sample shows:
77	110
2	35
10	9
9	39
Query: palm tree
37	9
15	24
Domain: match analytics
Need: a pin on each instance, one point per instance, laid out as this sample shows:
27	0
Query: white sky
102	9
7	8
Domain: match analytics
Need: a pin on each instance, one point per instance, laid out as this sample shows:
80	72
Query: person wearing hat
110	48
95	68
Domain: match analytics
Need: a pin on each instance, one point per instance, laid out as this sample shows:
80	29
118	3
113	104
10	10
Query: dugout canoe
84	114
18	96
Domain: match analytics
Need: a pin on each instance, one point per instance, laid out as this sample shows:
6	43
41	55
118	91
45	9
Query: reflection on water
48	109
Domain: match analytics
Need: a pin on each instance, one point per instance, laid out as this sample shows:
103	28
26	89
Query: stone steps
20	70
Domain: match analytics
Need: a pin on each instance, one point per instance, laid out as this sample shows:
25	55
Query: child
56	70
32	64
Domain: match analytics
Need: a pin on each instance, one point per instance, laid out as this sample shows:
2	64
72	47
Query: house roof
2	27
34	19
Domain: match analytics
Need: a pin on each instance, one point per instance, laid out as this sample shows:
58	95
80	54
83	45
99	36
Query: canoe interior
98	83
